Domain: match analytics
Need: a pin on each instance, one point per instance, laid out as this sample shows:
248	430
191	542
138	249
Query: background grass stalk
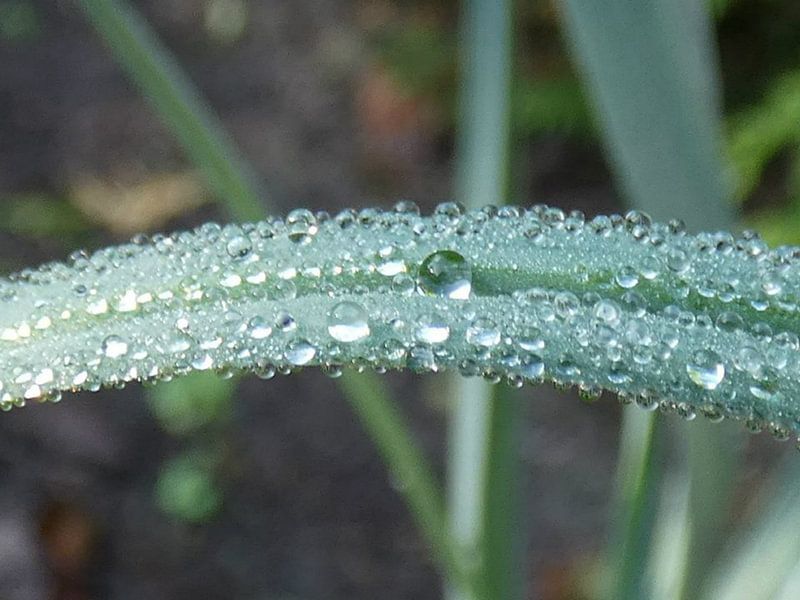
181	106
483	474
408	466
659	108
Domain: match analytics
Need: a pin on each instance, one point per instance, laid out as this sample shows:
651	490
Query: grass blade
769	552
384	423
651	69
482	474
162	81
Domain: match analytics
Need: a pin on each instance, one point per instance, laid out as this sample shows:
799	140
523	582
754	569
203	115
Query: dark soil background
308	511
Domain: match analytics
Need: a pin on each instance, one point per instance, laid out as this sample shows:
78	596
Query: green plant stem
152	67
386	426
762	560
193	123
483	464
636	485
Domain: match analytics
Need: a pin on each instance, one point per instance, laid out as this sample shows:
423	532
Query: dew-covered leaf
692	324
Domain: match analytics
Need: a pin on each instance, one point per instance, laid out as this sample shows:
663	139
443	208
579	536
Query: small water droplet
258	328
301	225
403	284
347	322
285	322
239	247
606	311
706	369
677	260
432	329
300	352
97	307
531	339
483	332
202	362
127	302
114	346
531	366
627	278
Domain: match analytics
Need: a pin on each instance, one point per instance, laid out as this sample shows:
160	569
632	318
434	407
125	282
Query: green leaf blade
619	304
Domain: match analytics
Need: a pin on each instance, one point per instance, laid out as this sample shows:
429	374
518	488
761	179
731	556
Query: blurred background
241	488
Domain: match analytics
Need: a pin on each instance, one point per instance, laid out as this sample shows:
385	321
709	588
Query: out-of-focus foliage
186	405
186	488
19	22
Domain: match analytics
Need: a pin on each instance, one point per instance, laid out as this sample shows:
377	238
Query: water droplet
445	273
127	302
301	225
300	352
627	278
729	321
706	369
97	307
403	284
44	376
531	366
677	260
259	328
566	304
483	332
230	279
114	346
432	329
393	350
285	322
202	362
239	246
531	339
606	312
420	358
347	322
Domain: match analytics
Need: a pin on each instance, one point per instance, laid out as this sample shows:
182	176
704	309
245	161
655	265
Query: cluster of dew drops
248	297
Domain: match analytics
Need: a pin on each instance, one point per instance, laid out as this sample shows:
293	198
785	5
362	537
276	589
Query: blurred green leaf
556	105
756	567
190	403
186	488
757	134
36	216
19	22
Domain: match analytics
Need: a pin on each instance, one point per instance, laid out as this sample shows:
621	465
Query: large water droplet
445	273
347	322
705	369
